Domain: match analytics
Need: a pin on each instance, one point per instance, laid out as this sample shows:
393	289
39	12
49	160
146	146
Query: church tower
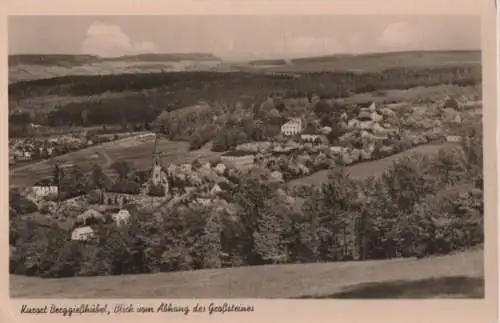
158	174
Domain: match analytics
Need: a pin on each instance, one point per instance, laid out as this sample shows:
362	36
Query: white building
292	127
309	137
122	217
453	138
45	190
82	233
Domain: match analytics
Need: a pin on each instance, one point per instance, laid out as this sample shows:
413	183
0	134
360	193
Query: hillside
32	67
452	276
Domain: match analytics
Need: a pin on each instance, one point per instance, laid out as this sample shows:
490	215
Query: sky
240	37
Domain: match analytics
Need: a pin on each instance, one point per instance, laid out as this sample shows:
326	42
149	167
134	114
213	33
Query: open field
452	276
364	170
33	67
137	153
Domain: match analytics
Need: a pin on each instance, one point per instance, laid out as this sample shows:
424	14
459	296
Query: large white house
292	127
45	190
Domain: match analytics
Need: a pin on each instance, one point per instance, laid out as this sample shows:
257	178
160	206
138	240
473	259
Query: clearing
452	276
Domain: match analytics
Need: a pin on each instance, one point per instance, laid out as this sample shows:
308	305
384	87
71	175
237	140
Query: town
191	175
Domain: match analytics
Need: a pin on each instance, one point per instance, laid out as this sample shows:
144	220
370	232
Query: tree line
145	96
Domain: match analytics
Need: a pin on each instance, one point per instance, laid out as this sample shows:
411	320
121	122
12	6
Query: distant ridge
29	67
52	59
329	58
166	57
68	60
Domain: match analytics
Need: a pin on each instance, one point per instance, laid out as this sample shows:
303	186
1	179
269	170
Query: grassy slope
458	275
366	169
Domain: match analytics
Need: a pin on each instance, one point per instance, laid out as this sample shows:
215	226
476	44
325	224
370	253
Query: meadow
450	276
364	170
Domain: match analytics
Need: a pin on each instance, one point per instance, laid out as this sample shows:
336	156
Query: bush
126	187
156	190
21	204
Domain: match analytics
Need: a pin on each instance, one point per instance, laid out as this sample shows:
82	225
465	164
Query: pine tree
268	238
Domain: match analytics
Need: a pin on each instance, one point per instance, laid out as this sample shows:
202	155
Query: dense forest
145	96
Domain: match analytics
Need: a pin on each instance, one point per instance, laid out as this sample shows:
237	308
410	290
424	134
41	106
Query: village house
42	191
326	130
220	168
122	217
82	233
203	201
292	127
215	189
186	167
453	138
309	137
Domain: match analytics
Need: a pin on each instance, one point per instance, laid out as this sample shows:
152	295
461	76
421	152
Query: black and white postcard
204	160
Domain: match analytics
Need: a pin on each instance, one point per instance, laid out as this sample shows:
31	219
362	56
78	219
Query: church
159	179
